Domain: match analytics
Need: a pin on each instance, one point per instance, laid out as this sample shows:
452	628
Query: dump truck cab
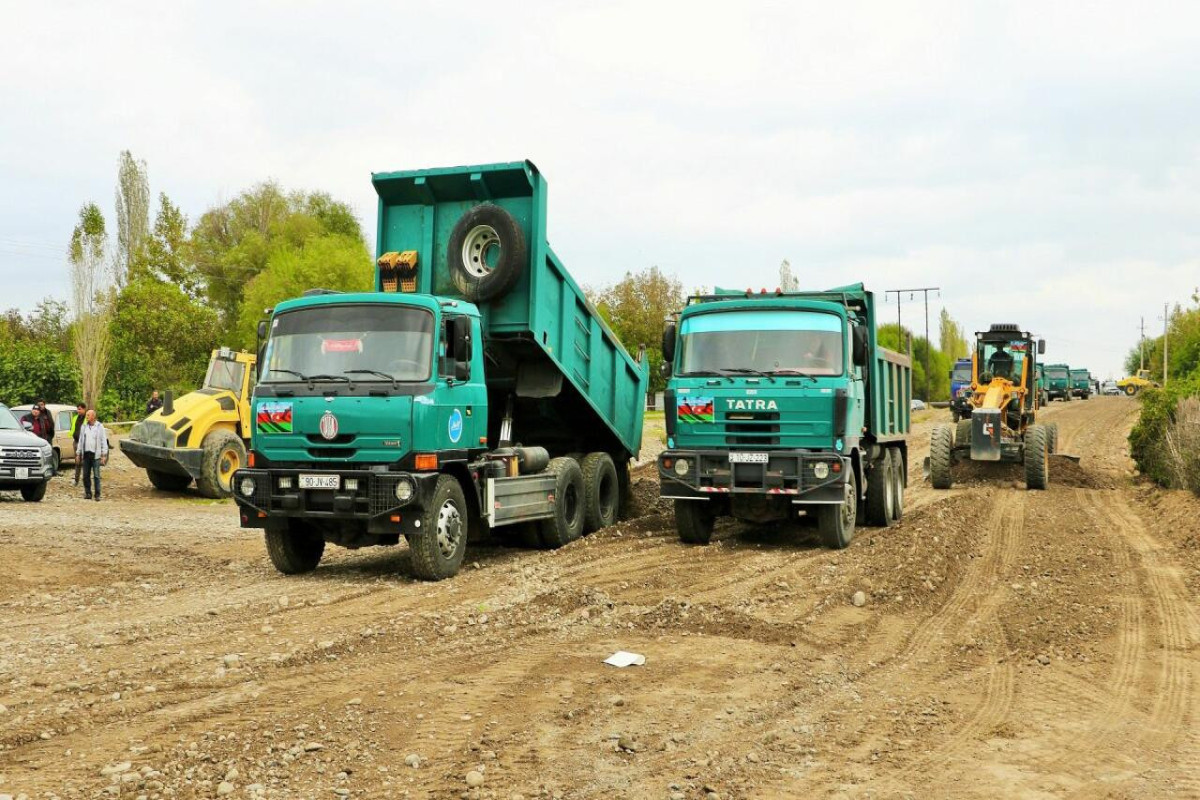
783	403
1081	383
1058	382
960	389
202	435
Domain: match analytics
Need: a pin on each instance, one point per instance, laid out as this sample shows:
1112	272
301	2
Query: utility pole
1142	345
925	290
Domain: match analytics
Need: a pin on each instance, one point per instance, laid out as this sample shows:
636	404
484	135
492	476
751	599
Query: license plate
747	458
320	481
21	473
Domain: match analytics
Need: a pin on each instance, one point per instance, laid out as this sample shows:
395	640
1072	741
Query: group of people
89	435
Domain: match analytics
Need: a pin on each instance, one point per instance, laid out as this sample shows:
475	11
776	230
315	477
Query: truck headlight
405	490
682	467
351	484
821	470
246	486
285	482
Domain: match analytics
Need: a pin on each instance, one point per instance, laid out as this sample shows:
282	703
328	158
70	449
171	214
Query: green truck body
1058	382
475	383
1081	383
783	402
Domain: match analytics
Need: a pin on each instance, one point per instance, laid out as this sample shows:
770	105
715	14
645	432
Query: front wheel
941	451
880	489
835	523
293	546
56	461
694	521
438	550
35	493
1130	391
223	455
1037	457
168	481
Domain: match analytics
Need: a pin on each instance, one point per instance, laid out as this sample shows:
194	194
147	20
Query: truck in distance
1081	383
960	389
783	403
476	389
1058	382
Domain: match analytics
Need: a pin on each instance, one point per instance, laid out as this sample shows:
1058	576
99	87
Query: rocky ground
996	643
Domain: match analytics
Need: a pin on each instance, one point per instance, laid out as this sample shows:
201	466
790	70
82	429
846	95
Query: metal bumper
373	501
171	460
34	476
789	474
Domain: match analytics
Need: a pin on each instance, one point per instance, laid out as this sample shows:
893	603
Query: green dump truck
1081	383
783	405
475	389
1058	382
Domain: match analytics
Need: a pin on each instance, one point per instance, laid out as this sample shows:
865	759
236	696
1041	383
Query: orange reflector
262	514
250	459
483	440
426	461
667	463
395	517
837	466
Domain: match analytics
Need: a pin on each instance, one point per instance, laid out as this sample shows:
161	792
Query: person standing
40	424
77	422
94	442
48	417
154	403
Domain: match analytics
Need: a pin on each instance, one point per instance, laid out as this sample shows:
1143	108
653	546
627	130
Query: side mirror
859	345
26	424
668	342
460	345
262	329
1041	347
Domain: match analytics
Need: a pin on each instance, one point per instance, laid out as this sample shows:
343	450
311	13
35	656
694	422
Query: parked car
26	460
64	444
918	405
1110	387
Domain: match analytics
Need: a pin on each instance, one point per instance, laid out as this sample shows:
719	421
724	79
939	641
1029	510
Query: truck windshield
962	374
225	374
1057	374
370	341
779	342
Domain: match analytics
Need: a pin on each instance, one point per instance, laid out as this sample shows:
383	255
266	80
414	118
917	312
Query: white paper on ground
624	659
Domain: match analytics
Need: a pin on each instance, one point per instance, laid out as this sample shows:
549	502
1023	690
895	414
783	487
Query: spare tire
487	253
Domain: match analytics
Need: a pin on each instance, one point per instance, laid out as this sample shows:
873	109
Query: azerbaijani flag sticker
274	417
695	409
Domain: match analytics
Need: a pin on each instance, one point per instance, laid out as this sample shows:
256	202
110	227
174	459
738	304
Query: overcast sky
1040	165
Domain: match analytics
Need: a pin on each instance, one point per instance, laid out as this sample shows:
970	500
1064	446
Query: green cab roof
429	302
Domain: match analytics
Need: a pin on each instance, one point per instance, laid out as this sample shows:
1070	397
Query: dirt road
1013	644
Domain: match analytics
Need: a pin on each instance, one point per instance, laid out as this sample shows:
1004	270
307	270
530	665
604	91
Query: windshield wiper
792	372
376	372
747	371
299	375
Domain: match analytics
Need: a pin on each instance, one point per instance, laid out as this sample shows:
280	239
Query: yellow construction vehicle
1134	384
202	436
1004	401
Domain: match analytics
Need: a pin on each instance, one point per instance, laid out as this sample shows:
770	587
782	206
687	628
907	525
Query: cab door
461	397
62	435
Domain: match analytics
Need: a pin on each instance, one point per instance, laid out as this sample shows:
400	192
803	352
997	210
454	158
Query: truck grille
20	457
750	428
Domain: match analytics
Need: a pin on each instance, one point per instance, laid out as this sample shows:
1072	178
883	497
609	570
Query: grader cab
1004	401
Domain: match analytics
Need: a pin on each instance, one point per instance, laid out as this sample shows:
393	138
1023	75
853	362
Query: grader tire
962	434
1037	458
941	446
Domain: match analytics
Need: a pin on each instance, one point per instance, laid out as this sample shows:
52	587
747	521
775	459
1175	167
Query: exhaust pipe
168	403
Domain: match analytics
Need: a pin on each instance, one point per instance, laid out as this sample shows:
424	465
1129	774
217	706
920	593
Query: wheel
223	454
1052	437
35	493
941	445
1037	458
56	460
567	523
1130	390
601	491
880	487
486	253
962	434
835	524
896	512
437	552
168	481
694	521
955	416
293	546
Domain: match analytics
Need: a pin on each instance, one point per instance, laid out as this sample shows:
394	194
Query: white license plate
747	458
20	473
320	481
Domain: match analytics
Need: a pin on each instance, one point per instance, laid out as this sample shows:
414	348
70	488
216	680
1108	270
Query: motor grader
1004	401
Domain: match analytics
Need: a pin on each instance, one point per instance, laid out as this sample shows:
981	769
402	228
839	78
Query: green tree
951	339
636	307
91	300
161	339
167	253
29	371
133	216
232	243
332	262
937	388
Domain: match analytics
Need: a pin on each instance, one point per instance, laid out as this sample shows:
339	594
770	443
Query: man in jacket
77	422
154	404
93	440
40	422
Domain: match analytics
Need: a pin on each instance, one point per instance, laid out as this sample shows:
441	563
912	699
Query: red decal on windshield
341	345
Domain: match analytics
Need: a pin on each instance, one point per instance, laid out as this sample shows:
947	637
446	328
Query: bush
1165	442
30	371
